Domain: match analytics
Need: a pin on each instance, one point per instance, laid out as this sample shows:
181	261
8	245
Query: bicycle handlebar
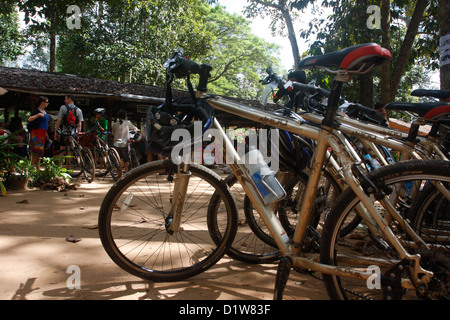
182	67
311	89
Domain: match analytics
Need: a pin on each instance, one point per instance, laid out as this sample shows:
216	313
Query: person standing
101	123
68	129
39	122
18	137
121	133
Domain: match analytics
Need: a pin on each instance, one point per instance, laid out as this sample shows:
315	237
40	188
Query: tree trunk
405	49
284	8
53	39
291	35
444	24
365	80
385	43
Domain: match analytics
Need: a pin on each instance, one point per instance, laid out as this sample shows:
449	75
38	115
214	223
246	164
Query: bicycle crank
283	271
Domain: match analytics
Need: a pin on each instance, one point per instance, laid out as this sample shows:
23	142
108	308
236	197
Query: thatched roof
41	83
60	84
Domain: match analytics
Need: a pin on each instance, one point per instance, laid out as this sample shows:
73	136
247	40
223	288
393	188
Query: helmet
294	152
101	111
163	120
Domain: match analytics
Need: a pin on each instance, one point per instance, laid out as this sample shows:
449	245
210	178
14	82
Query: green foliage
11	40
12	165
51	170
239	58
129	40
346	26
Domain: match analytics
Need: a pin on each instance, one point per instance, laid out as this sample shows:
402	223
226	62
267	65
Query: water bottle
267	185
373	163
126	203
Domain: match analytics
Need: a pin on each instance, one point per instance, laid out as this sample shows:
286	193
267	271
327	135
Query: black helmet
101	111
163	120
294	152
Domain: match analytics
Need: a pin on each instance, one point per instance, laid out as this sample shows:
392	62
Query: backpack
71	118
32	125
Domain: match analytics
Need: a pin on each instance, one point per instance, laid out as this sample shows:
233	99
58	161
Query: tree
239	58
407	44
279	10
46	17
11	41
408	38
444	25
130	40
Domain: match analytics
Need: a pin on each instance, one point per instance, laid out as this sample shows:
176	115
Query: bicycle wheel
114	160
88	164
133	218
70	159
102	163
134	161
247	246
377	255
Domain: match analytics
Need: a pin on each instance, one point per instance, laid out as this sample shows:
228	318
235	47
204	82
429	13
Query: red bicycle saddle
430	111
359	58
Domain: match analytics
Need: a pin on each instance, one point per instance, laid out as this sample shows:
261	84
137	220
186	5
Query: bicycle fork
181	182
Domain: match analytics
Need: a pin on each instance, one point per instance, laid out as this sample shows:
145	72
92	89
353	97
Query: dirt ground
37	263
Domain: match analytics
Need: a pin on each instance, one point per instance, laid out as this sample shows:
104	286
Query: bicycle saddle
431	111
440	94
359	59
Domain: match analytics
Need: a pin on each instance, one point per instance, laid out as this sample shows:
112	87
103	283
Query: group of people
39	124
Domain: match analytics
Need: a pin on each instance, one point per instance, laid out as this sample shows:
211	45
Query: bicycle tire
247	246
334	243
88	164
136	239
114	160
134	161
102	163
430	214
73	163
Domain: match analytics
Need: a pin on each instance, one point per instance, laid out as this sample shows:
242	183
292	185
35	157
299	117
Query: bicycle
106	159
132	154
397	257
134	159
74	157
289	208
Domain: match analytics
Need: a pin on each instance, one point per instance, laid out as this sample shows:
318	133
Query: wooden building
24	86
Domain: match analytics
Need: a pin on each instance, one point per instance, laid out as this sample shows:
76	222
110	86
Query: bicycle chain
313	274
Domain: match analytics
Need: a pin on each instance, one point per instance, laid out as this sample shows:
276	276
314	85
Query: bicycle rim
114	159
247	245
102	163
132	223
88	165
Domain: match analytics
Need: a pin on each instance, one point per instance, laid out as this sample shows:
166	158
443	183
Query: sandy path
35	257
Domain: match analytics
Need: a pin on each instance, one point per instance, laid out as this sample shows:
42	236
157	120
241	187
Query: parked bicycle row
340	205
